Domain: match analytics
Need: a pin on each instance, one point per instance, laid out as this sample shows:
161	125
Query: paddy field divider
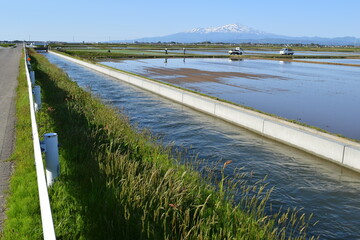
339	150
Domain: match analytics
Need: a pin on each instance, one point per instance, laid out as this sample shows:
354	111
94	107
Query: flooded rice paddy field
253	52
330	192
324	96
308	53
334	60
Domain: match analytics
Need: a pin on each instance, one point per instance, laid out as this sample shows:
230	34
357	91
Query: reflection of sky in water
347	61
326	96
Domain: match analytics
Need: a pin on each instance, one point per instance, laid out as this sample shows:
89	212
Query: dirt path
9	69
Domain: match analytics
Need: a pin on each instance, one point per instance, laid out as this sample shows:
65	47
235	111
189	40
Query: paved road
9	69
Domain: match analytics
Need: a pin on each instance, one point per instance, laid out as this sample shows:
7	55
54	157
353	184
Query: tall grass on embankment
7	44
118	183
23	210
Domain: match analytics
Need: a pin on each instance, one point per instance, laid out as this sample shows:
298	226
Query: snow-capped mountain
230	28
231	33
236	33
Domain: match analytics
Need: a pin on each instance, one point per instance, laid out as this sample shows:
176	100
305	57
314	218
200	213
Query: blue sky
89	20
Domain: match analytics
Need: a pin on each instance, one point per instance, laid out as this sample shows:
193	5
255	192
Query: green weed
23	210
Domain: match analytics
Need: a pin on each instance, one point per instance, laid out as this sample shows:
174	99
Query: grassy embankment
126	54
7	44
23	212
118	183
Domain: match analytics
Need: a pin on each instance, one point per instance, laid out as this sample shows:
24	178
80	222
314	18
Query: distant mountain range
235	33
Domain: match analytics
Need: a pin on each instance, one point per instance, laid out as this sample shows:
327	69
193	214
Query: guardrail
46	216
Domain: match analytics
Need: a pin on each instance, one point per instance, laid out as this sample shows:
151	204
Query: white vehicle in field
236	51
286	51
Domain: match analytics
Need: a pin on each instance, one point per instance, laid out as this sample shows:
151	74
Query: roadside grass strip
23	208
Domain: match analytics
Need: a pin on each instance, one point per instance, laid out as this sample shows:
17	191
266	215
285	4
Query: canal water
328	191
324	96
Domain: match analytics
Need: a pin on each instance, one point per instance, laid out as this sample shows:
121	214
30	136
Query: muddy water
325	96
300	180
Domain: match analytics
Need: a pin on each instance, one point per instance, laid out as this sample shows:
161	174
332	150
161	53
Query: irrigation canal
328	191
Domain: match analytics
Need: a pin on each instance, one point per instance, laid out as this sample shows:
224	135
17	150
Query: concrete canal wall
341	151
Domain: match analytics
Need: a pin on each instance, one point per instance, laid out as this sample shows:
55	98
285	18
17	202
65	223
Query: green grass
123	51
114	54
23	212
118	183
7	44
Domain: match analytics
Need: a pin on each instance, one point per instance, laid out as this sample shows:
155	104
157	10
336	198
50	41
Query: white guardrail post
37	97
32	77
45	210
52	157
